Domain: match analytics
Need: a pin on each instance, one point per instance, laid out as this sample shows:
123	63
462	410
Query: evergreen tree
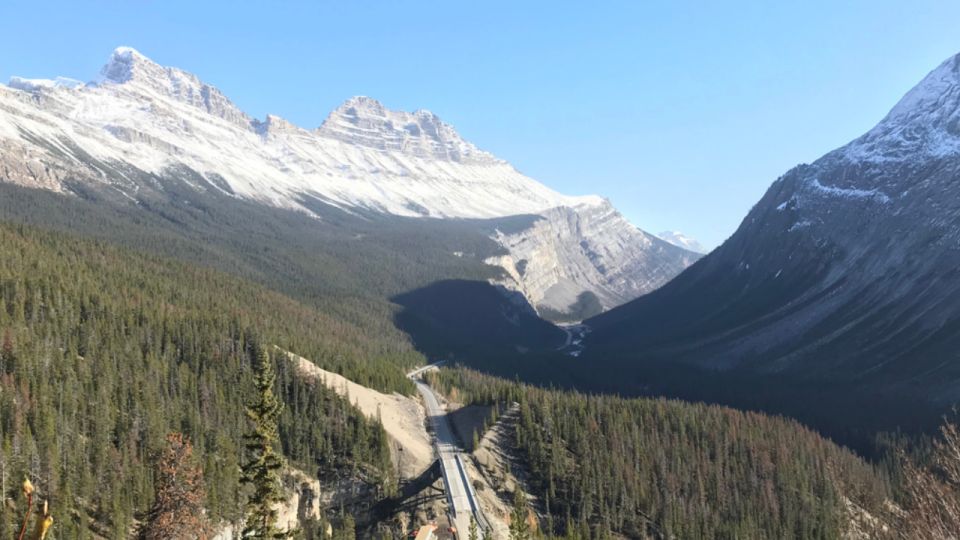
163	350
348	528
519	528
262	469
178	507
605	466
473	529
7	358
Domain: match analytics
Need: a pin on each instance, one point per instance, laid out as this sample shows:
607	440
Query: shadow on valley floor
473	322
494	330
857	416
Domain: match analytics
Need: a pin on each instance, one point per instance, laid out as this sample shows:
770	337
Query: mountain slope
841	283
587	250
103	352
141	118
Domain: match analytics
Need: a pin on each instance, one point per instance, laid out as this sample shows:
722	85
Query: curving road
460	494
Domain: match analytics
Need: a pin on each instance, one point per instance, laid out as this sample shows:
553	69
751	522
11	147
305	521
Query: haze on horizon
682	114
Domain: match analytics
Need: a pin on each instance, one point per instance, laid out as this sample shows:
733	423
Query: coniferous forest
252	307
658	468
104	353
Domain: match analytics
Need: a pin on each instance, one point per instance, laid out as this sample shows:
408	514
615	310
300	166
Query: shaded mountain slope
469	320
841	283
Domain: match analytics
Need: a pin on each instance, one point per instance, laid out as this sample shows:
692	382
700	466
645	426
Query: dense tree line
103	353
662	468
344	264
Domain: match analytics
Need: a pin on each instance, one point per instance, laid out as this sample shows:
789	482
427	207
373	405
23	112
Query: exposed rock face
143	120
587	248
845	272
364	121
28	170
128	67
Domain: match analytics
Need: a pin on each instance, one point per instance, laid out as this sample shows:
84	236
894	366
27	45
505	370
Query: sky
682	113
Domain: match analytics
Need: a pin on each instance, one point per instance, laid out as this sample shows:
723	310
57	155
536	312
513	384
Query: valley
214	325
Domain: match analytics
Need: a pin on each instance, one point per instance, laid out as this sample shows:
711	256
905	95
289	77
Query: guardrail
448	491
472	495
461	472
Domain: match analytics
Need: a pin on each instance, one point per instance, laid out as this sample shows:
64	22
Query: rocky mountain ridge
140	117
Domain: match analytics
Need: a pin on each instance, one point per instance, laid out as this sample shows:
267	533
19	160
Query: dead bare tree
932	509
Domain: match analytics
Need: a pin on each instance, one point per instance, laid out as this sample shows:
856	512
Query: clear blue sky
682	113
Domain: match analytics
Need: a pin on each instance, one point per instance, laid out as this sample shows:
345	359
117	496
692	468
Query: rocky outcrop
588	248
364	121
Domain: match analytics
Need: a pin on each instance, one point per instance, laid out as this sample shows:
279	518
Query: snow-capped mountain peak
679	239
142	116
135	72
842	278
924	123
364	121
126	63
938	91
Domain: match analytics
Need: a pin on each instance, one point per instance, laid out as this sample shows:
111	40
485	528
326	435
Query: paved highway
460	494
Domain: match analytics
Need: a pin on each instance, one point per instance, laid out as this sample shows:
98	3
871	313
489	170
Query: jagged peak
274	124
124	64
128	66
367	109
366	121
361	104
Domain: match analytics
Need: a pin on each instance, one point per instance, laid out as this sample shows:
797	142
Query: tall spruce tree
519	528
262	468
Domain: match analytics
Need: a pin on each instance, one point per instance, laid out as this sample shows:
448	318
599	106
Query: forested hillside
663	468
350	266
104	352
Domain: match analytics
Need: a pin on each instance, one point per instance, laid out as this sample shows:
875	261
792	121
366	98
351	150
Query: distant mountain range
838	296
679	239
141	120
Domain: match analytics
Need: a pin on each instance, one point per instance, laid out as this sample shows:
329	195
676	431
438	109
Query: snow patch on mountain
37	85
849	193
